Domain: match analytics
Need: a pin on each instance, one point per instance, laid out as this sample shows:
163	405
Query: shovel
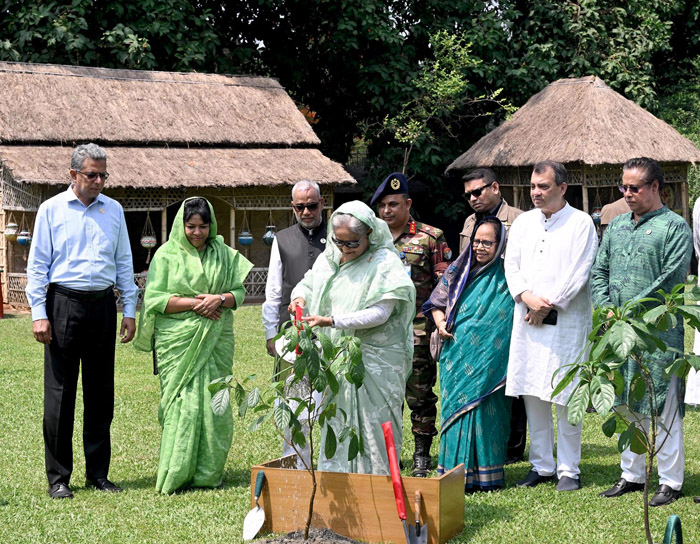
256	517
396	479
418	534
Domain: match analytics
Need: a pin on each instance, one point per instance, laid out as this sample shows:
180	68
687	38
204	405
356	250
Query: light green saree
331	288
191	351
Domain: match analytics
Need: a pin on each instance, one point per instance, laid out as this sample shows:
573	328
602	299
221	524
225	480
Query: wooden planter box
359	506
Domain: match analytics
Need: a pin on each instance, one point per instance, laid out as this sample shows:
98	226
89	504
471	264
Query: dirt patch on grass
316	536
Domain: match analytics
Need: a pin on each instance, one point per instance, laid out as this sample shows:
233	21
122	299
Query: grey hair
306	184
87	151
345	220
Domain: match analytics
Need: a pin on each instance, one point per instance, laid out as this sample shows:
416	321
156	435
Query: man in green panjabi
641	252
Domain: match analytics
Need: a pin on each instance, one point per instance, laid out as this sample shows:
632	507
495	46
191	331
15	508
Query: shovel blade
414	537
253	522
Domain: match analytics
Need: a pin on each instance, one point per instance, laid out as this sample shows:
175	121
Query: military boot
421	458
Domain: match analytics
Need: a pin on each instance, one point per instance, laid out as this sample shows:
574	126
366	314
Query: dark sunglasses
485	243
350	245
311	206
634	189
476	193
92	176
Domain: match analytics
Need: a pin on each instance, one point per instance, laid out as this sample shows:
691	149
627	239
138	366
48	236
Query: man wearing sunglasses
641	252
425	255
79	253
293	252
483	194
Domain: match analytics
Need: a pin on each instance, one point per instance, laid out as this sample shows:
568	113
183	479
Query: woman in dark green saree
194	283
473	311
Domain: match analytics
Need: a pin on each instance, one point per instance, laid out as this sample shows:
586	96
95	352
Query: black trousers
518	428
83	331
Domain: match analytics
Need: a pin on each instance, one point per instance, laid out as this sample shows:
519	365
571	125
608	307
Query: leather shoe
60	491
568	484
664	495
513	460
533	478
620	488
103	484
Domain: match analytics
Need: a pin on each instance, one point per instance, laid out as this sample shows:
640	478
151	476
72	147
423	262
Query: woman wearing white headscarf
359	287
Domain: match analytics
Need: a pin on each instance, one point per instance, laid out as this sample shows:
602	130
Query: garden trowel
416	533
256	517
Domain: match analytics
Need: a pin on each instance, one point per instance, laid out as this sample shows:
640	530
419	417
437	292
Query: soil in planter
316	536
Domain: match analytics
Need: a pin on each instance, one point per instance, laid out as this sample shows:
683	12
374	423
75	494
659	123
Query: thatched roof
169	168
578	121
51	104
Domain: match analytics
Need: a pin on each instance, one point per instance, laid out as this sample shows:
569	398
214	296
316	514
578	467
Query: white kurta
692	390
550	258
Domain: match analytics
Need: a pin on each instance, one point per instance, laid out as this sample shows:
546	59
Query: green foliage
319	366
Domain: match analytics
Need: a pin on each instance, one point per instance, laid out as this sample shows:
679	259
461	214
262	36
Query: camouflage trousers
419	392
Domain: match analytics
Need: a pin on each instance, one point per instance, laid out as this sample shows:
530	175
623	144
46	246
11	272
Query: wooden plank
359	506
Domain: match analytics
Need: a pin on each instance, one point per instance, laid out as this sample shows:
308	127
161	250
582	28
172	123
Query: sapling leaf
622	339
565	381
653	315
618	382
326	345
638	388
603	396
332	382
299	439
578	402
254	426
610	426
253	397
220	401
638	444
694	361
354	447
331	444
282	416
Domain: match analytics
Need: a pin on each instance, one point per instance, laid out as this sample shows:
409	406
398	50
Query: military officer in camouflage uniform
425	255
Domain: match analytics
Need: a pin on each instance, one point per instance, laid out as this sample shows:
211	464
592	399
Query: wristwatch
223	299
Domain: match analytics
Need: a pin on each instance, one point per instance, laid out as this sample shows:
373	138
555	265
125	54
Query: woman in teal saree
473	312
194	283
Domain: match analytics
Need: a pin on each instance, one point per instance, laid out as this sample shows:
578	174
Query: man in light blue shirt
79	252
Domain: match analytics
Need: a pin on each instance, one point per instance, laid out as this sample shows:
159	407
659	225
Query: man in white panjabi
550	253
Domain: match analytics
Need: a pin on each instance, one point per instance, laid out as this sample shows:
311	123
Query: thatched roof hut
240	141
590	128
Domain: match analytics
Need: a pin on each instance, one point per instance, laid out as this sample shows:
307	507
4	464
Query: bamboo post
232	215
163	225
685	204
584	191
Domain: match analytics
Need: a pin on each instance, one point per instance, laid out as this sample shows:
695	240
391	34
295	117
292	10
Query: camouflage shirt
423	248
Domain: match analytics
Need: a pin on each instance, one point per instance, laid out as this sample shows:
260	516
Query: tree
631	332
321	366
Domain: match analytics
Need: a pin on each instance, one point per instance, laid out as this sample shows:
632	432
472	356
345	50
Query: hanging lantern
245	237
148	236
597	207
269	236
11	230
24	238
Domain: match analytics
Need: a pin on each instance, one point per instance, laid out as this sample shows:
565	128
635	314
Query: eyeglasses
634	189
476	193
92	176
311	206
485	243
350	245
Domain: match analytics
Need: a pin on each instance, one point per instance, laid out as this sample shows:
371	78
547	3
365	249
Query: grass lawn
27	514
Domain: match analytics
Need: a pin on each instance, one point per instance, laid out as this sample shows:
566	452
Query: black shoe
103	484
60	491
569	484
620	488
532	479
421	459
513	460
664	495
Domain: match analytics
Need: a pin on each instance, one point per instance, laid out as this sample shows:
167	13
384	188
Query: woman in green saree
194	283
473	312
359	287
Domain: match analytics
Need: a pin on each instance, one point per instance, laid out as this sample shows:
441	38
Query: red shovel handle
394	469
298	312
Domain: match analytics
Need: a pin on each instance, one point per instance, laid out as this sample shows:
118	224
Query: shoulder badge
412	227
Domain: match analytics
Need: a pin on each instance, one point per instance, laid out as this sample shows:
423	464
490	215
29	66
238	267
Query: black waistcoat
299	249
